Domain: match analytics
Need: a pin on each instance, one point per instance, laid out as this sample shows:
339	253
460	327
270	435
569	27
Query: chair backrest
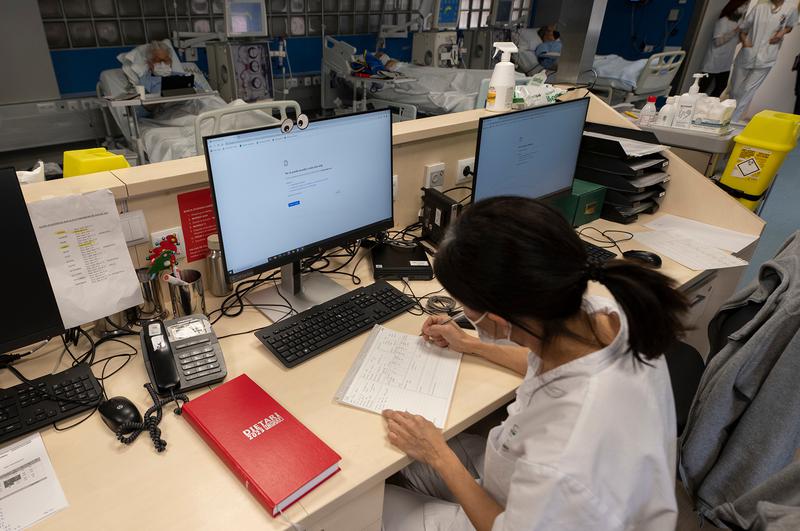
480	102
215	117
729	322
658	73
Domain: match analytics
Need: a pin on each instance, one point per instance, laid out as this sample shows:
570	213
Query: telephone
182	354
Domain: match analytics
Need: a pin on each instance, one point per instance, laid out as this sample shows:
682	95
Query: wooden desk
111	486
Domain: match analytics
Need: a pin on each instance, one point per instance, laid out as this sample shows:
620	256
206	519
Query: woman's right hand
448	335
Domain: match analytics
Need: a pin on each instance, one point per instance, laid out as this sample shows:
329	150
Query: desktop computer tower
240	70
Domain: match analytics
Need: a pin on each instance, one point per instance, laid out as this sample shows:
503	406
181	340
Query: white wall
27	69
777	92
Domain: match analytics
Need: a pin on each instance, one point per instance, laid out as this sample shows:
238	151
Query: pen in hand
452	318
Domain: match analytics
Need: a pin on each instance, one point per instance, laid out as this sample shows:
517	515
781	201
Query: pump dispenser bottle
686	104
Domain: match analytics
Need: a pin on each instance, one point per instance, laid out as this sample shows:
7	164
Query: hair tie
595	271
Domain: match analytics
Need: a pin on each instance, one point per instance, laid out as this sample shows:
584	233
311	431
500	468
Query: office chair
686	365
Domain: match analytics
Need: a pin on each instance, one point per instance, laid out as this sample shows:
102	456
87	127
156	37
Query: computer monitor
280	197
30	312
245	18
531	153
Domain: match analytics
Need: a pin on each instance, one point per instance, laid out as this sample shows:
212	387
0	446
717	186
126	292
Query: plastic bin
758	154
83	161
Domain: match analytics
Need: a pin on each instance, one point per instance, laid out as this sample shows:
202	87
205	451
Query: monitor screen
530	153
246	18
284	196
30	312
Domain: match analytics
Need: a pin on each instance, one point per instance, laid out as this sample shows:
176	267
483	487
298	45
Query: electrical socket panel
464	164
155	238
434	175
674	15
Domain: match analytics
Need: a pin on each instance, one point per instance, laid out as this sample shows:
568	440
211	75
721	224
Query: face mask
485	337
162	69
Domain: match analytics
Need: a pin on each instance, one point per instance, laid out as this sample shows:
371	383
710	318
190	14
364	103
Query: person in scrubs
590	441
762	32
719	57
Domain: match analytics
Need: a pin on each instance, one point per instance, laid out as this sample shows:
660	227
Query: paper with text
632	148
712	235
29	488
402	372
687	251
87	260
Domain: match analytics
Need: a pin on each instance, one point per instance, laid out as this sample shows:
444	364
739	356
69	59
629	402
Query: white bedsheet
616	72
435	90
170	134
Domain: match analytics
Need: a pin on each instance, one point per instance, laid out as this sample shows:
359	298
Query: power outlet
674	15
155	238
434	175
465	165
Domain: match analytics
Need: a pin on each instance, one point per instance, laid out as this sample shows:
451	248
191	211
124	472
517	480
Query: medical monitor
446	14
531	153
30	312
281	197
245	18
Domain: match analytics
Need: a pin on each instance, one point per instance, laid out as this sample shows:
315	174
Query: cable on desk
440	304
151	419
614	243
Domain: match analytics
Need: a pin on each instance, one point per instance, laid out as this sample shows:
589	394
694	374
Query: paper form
402	372
681	247
632	148
714	236
87	260
29	488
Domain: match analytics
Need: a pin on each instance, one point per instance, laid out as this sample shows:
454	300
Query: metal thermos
216	269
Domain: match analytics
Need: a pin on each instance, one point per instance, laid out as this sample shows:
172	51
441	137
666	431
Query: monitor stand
301	291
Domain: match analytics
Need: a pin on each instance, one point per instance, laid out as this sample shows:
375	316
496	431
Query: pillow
529	39
134	62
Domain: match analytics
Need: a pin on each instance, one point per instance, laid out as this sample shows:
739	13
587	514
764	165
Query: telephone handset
182	354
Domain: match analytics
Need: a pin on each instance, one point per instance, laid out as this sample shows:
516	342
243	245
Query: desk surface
109	485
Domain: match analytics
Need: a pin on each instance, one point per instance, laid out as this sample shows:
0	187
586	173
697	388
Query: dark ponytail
520	259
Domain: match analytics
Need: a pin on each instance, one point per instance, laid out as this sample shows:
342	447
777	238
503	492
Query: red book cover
277	458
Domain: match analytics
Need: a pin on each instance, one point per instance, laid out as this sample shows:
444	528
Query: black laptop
177	85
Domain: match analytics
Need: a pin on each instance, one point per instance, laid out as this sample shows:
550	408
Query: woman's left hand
416	436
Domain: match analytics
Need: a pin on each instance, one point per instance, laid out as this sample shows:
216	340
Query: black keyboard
25	407
303	336
598	254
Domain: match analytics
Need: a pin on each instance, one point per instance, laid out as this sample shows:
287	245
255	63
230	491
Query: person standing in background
719	57
762	32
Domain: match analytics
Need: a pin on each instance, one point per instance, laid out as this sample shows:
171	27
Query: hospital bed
175	131
430	90
631	81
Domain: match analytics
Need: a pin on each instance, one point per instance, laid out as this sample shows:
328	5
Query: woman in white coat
589	442
762	32
719	57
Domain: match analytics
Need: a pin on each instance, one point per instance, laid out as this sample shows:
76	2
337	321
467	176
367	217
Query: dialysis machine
240	70
439	46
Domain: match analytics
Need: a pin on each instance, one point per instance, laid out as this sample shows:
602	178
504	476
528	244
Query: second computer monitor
530	153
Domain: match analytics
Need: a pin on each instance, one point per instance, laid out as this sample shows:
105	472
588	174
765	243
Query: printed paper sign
198	221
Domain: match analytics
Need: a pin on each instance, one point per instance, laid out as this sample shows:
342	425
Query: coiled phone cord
152	418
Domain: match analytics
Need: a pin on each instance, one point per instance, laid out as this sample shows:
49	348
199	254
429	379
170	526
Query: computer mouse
647	257
117	411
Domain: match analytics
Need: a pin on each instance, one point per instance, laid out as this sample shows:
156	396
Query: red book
277	458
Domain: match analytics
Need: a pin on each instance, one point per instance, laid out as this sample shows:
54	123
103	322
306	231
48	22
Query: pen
453	318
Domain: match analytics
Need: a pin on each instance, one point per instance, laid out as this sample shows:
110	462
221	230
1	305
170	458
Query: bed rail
265	107
657	75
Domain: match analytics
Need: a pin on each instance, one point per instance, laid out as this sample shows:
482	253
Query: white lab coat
720	58
752	65
588	445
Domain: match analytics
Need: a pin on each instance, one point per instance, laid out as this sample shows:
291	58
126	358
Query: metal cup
188	298
153	305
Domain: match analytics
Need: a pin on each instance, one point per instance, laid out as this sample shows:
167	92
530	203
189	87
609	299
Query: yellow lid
773	130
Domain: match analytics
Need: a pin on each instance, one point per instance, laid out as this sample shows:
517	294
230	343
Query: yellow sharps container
83	161
758	154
